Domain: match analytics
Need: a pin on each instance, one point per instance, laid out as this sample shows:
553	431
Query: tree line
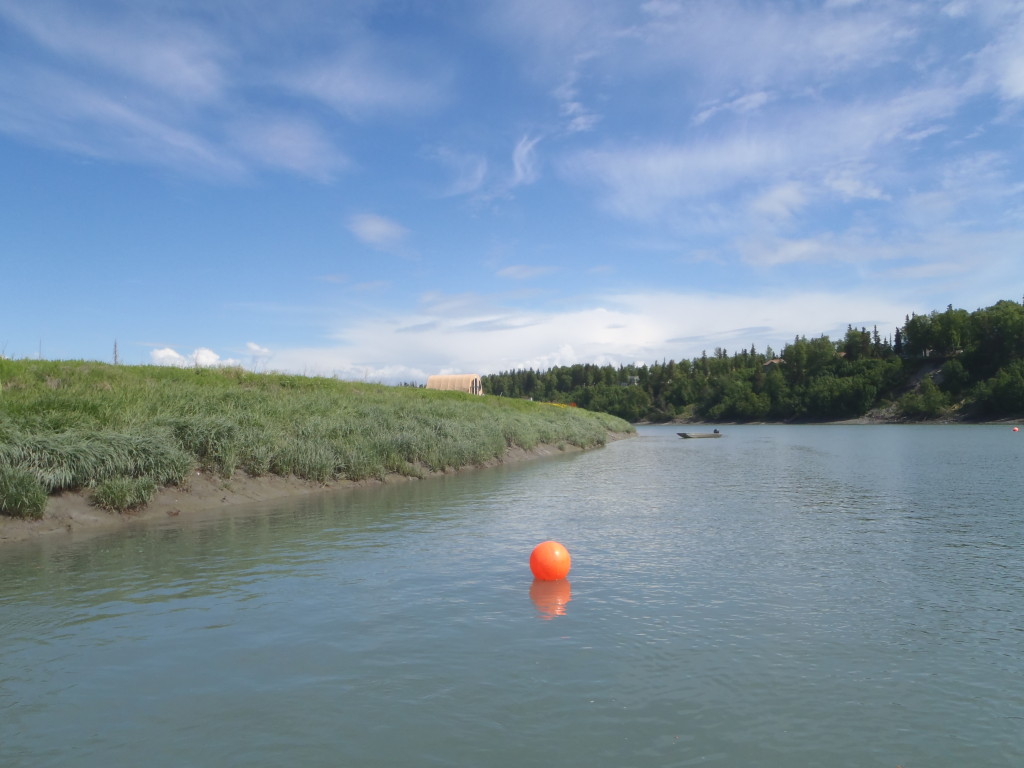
934	365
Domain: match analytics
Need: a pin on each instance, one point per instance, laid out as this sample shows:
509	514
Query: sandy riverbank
205	496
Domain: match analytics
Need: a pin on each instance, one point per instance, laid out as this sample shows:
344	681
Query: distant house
459	382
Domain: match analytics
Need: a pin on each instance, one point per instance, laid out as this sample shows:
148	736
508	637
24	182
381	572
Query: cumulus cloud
202	357
167	356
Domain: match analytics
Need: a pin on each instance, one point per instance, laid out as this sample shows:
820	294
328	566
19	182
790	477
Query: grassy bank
126	431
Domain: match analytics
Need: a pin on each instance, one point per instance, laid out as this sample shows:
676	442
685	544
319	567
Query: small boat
693	435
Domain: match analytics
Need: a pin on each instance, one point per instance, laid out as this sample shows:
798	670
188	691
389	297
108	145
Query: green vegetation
937	365
21	494
125	431
124	494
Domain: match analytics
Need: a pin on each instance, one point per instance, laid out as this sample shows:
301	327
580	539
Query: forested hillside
953	363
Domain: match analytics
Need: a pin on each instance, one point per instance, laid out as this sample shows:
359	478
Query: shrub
21	493
123	494
1004	392
927	403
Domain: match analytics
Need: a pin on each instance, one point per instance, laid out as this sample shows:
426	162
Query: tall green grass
124	494
73	425
21	493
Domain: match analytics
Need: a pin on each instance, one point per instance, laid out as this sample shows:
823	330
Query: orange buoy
550	561
1016	429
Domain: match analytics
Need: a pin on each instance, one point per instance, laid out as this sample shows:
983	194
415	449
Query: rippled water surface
784	596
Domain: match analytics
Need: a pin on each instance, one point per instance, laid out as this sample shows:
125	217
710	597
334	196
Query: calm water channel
784	596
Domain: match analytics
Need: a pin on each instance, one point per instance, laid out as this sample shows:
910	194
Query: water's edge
206	496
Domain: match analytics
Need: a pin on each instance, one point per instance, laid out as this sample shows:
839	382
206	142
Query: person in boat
716	430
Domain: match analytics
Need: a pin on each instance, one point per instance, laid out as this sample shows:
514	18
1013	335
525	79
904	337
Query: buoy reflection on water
551	597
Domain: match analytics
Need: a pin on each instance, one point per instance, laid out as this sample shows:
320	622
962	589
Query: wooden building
460	382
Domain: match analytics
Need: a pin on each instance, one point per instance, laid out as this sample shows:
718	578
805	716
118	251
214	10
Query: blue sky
385	190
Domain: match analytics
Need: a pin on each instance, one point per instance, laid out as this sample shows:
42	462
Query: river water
783	596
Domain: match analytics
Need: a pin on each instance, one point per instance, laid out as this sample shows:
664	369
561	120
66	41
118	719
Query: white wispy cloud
255	349
378	231
129	86
468	170
524	161
172	55
750	102
51	109
812	155
474	178
643	181
290	143
855	182
364	79
1002	62
640	182
525	271
553	35
781	46
777	251
448	333
464	333
781	201
166	87
578	116
957	9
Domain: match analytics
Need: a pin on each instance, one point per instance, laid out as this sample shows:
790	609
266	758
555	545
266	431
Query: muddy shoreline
207	496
